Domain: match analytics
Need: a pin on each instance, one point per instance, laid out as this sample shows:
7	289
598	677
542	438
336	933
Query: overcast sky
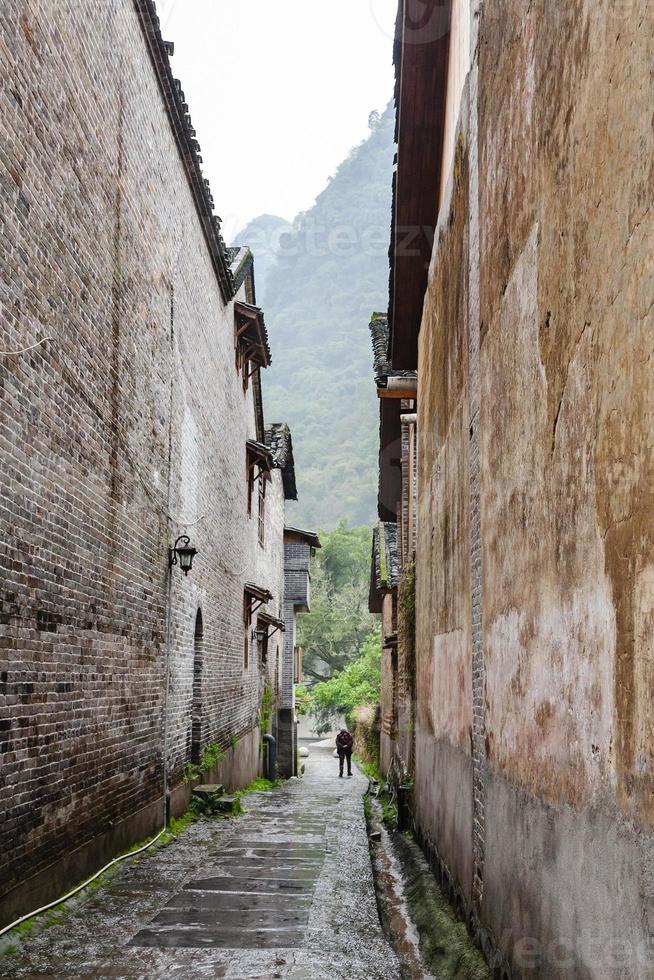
279	91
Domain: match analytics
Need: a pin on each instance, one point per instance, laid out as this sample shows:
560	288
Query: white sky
279	91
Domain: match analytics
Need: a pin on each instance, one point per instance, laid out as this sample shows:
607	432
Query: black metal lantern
182	552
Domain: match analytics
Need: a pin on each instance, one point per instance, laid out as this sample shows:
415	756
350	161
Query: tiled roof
241	262
379	336
310	537
250	318
379	333
277	437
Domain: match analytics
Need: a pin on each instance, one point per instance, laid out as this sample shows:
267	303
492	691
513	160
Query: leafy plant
265	714
211	756
260	785
303	700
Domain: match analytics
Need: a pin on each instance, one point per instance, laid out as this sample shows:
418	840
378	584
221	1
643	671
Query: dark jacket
344	741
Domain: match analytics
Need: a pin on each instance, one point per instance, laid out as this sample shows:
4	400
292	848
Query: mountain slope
330	273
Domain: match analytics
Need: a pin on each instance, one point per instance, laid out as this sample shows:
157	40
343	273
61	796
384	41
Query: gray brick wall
125	430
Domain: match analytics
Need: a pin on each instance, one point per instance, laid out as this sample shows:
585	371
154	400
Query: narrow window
247	621
262	511
250	476
196	707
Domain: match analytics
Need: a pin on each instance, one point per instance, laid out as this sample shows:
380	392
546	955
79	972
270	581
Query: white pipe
78	888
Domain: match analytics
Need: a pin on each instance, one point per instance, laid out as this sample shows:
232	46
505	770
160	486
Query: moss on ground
259	785
445	944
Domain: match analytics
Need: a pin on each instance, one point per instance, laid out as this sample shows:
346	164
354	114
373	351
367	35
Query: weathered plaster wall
566	181
457	71
443	773
567	453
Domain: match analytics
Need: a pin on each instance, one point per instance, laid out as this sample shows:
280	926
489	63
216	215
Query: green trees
340	638
333	633
357	685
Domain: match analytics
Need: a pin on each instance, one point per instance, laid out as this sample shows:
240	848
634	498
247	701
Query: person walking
344	743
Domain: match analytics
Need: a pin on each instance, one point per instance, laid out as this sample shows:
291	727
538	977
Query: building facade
131	418
521	292
299	548
392	572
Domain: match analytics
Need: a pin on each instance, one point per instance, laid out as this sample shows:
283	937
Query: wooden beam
396	393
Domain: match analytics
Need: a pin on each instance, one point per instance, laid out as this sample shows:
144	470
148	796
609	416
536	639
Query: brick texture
123	431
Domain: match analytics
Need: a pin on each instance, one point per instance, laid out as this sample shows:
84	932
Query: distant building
383	599
299	548
134	425
393	554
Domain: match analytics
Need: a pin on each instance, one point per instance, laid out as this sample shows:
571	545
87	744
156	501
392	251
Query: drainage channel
429	939
391	898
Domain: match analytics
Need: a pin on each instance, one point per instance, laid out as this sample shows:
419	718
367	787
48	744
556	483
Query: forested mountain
319	284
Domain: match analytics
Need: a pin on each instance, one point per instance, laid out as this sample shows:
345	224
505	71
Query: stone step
209	789
211	799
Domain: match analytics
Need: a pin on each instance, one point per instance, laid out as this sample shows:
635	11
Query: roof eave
421	91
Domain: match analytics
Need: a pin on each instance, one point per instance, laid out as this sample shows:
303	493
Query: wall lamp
182	552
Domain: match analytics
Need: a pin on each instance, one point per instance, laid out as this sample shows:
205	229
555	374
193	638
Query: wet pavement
285	890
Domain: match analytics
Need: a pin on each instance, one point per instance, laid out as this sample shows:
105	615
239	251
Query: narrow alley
326	419
285	890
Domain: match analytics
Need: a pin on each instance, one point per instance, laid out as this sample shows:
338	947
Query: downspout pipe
271	768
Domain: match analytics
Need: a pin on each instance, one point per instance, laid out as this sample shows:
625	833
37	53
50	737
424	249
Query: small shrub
210	758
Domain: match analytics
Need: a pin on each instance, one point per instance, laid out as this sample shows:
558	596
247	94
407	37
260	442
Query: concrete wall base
74	867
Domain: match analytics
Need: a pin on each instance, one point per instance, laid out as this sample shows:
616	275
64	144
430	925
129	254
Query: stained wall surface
554	168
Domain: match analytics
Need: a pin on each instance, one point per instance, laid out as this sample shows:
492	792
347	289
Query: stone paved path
284	891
